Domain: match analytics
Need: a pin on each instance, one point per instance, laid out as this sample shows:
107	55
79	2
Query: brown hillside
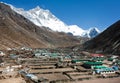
108	41
16	31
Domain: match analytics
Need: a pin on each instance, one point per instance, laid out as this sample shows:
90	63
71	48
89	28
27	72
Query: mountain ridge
42	17
17	31
108	41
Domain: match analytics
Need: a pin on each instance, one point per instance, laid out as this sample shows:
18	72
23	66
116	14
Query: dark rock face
16	30
108	41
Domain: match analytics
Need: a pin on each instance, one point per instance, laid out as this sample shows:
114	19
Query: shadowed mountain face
16	31
108	41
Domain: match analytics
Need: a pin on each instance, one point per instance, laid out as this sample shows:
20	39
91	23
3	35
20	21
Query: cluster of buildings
37	65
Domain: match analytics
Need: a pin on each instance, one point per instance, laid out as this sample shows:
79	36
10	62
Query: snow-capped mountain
42	17
91	33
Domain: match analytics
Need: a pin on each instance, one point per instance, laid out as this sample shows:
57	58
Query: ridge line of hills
107	42
17	31
42	17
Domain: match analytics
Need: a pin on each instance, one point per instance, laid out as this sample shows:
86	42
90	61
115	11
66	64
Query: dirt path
13	80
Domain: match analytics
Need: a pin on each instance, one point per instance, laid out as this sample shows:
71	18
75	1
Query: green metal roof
103	68
110	59
99	59
93	63
54	54
99	67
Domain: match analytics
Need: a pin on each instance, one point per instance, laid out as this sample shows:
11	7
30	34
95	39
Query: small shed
97	55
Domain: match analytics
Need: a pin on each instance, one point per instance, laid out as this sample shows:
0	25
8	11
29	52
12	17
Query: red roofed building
97	55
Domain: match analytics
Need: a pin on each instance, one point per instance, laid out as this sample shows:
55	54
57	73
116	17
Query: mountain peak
37	8
17	31
94	29
43	17
108	41
93	32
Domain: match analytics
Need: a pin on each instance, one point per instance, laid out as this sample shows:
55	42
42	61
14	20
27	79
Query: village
26	65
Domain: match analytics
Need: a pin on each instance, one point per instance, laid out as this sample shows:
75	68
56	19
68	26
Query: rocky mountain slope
108	41
42	17
16	31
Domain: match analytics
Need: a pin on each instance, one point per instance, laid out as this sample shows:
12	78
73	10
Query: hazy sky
84	13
